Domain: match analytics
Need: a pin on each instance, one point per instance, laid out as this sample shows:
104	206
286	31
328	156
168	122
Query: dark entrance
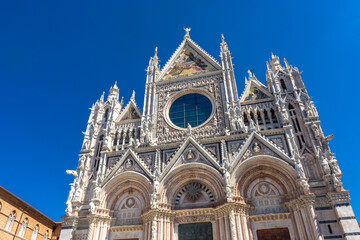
273	234
195	231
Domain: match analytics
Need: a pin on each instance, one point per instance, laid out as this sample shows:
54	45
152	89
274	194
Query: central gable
187	63
188	59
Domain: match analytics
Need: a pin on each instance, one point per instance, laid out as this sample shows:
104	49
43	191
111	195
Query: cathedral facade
202	161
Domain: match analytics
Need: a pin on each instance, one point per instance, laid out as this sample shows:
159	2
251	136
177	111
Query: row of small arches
264	118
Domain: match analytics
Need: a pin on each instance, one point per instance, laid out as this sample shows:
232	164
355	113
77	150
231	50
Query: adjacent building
204	161
19	220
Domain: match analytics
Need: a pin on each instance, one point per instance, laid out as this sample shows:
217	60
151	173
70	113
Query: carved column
310	216
92	222
233	217
306	222
232	225
158	223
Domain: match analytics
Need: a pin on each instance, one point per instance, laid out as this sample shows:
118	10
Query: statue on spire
187	30
155	52
223	44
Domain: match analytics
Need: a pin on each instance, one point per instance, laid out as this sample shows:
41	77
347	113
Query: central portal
195	231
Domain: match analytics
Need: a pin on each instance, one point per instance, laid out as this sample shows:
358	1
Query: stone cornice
192	77
198	214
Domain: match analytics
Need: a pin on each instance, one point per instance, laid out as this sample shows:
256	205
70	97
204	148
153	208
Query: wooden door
273	234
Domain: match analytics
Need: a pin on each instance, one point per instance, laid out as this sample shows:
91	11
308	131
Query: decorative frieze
128	228
270	217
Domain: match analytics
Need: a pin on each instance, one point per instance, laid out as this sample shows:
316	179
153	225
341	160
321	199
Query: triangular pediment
130	113
130	161
258	145
191	152
189	59
255	92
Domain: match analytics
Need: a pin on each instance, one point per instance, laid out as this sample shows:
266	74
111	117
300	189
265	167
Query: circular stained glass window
193	109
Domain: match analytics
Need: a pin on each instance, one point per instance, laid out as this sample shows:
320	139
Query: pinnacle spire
222	38
286	63
102	97
115	85
133	96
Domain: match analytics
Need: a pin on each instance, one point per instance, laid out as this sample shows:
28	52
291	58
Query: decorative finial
133	96
187	30
156	51
267	65
102	97
222	38
250	74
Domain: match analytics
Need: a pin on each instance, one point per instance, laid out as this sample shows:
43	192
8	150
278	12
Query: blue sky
57	57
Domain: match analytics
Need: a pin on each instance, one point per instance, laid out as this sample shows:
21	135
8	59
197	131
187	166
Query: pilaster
345	214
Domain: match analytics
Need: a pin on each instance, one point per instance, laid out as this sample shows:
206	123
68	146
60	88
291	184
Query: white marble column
232	225
299	225
91	228
245	229
154	230
239	227
176	231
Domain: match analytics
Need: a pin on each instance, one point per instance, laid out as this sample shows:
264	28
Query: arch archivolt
208	180
265	183
126	185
